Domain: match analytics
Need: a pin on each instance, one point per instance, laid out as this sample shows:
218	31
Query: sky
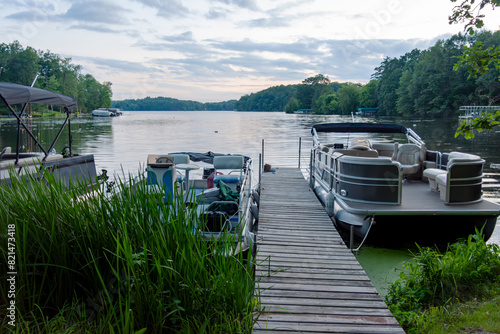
217	50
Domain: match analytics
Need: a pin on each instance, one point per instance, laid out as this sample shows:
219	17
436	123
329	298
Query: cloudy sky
216	50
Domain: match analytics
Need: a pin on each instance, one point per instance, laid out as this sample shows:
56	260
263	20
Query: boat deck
307	279
418	199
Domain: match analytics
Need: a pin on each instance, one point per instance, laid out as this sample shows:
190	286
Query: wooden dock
308	280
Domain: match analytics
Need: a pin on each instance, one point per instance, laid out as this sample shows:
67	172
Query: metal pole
351	238
300	148
262	152
311	171
260	171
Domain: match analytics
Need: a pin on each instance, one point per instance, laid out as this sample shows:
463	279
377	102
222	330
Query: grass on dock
128	263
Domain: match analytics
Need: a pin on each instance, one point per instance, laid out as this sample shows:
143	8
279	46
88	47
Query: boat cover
360	127
207	157
19	94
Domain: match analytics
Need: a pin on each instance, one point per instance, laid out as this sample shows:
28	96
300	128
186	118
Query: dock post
351	238
300	148
311	177
260	171
262	153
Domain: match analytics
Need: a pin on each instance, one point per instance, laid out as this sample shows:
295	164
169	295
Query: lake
122	144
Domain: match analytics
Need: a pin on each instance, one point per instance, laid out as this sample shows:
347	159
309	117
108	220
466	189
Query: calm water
123	144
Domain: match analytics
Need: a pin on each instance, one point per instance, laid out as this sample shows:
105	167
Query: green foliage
118	264
466	270
477	60
271	99
170	104
20	66
486	121
292	105
470	14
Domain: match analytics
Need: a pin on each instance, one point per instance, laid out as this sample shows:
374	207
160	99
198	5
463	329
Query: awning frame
18	94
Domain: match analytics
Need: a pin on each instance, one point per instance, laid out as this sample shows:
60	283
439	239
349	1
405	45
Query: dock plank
306	278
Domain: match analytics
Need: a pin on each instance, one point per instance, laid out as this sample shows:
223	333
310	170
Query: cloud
96	28
217	13
166	8
271	22
247	4
182	37
97	11
115	65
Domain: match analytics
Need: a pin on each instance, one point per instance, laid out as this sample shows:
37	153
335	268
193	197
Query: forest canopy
21	65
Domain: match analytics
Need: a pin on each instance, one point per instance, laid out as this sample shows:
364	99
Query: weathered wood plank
307	280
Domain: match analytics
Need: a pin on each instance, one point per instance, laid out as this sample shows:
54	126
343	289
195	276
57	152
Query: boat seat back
161	171
234	163
229	162
410	156
385	149
180	158
360	144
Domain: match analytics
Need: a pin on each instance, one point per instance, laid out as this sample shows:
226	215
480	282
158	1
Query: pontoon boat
393	189
220	185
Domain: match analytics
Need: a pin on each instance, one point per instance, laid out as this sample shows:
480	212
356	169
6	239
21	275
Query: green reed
467	269
119	264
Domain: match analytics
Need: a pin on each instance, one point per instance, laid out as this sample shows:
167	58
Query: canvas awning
360	127
19	94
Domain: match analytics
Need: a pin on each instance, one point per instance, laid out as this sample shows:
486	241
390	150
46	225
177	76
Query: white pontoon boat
391	189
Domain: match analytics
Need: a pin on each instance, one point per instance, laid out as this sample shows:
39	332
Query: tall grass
118	264
467	269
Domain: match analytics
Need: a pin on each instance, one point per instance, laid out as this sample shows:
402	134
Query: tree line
170	104
421	82
21	65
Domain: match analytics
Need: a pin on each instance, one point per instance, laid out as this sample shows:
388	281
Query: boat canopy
11	93
360	127
19	94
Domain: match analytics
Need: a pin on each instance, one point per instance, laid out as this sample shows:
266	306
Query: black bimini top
19	94
359	127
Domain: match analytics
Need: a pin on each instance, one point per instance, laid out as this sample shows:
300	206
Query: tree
349	99
475	58
292	105
368	95
311	89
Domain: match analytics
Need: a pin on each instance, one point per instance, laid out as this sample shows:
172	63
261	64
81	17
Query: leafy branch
467	12
486	121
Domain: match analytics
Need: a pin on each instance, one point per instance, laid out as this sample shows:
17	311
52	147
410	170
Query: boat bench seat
385	149
461	181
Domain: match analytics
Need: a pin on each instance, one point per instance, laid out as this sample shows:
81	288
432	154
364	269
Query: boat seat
385	149
461	181
233	162
410	156
180	158
360	144
431	175
161	171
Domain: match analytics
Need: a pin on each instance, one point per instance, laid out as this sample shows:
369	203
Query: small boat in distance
388	186
228	202
303	111
106	112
